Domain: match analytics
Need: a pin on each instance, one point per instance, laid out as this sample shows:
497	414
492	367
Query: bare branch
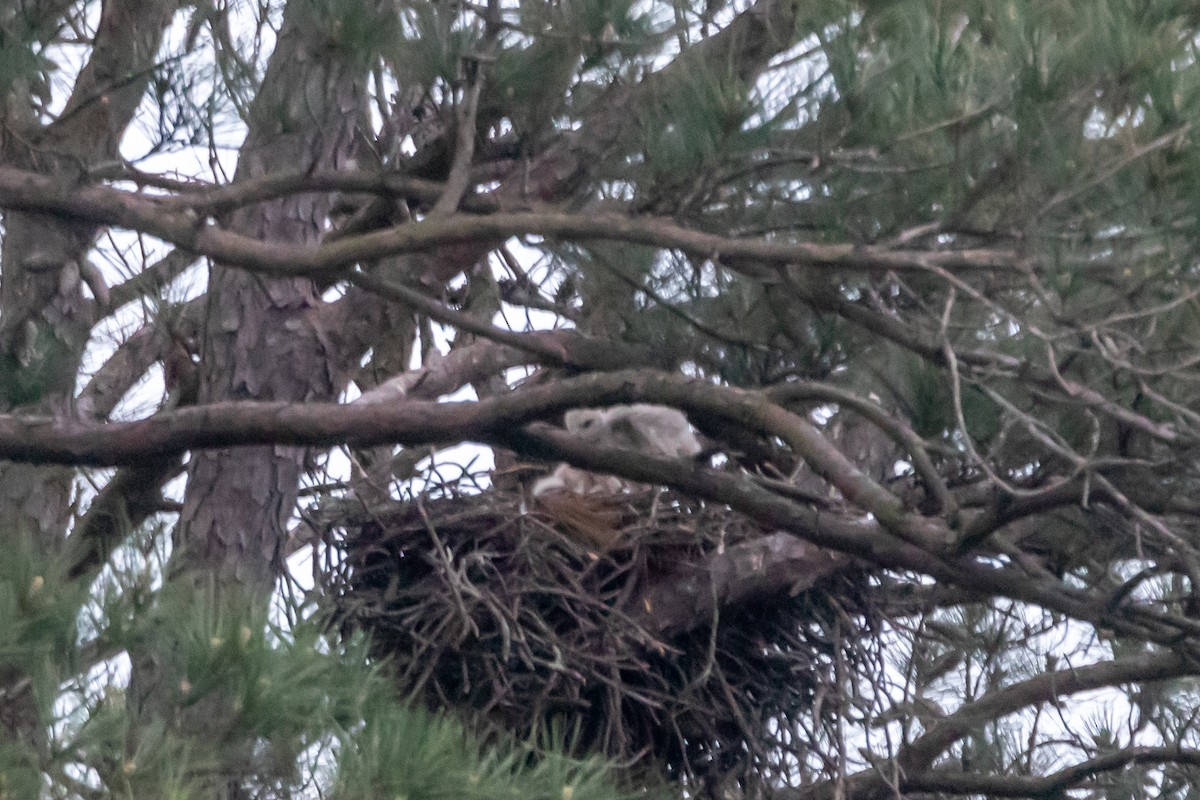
102	205
480	360
1047	687
549	347
1055	784
894	427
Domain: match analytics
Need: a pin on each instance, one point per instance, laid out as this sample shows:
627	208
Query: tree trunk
264	339
45	320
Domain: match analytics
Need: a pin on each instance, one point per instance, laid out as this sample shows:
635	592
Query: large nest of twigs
537	617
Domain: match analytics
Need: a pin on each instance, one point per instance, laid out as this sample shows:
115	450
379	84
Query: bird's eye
587	423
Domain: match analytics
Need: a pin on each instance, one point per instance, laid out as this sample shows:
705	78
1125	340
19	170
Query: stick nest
510	612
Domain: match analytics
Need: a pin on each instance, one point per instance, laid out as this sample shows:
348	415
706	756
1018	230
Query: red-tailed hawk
657	430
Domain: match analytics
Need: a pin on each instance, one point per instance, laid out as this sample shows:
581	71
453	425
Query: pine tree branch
1053	785
27	191
499	421
915	759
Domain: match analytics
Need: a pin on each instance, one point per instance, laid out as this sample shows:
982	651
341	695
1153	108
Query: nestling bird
653	429
659	429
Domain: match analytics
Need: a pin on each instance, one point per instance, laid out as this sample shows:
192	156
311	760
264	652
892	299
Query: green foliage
925	396
603	26
309	709
529	84
18	61
1061	131
431	44
535	63
414	755
23	65
956	97
699	120
20	778
606	27
358	31
44	364
532	79
17	386
37	618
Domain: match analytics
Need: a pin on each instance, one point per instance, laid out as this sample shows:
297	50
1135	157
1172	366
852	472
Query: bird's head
583	420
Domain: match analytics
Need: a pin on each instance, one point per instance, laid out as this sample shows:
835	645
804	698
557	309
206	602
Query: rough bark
264	339
45	320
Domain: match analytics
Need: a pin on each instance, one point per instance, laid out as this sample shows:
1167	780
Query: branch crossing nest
518	615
